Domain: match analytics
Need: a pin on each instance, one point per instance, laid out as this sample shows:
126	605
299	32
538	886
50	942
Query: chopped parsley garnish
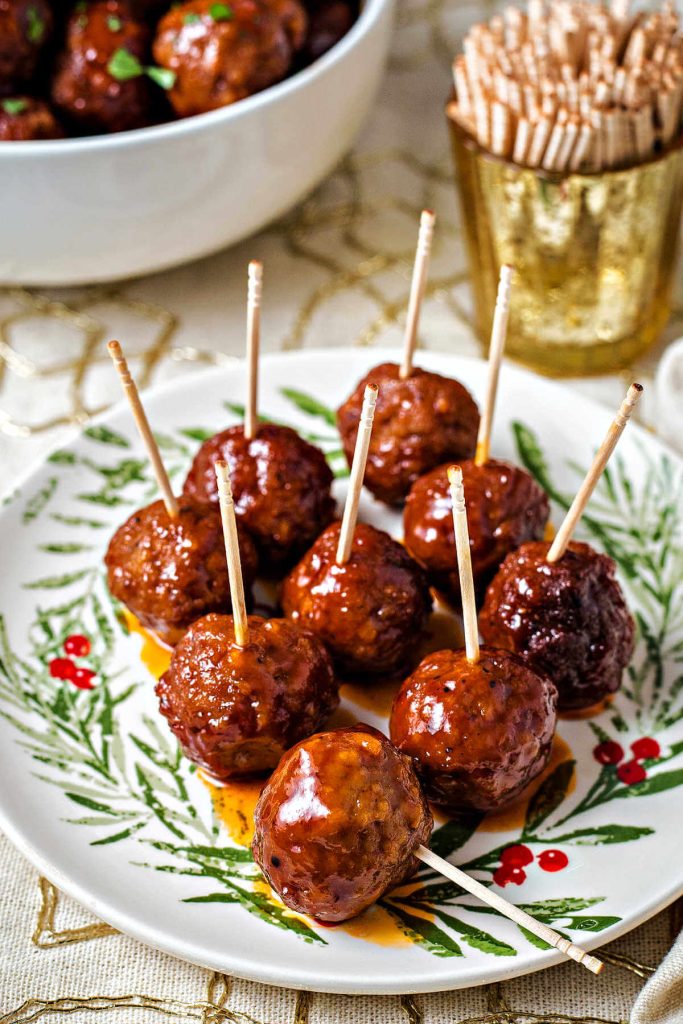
35	29
14	107
191	18
81	7
123	65
221	12
114	24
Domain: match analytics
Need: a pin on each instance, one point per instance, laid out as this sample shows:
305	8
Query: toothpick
576	510
497	344
144	429
232	552
509	910
462	547
417	289
254	282
360	457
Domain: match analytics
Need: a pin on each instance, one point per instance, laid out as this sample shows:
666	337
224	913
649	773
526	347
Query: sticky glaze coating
221	53
235	710
370	611
568	619
23	118
169	572
478	734
83	89
338	823
419	423
25	28
281	486
505	508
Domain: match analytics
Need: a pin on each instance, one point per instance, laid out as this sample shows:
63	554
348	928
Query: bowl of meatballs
136	135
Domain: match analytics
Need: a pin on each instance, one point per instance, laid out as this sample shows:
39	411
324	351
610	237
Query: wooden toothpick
499	328
144	429
360	457
254	287
462	547
417	289
232	552
509	910
564	534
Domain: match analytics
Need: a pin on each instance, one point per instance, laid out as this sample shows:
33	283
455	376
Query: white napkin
661	1000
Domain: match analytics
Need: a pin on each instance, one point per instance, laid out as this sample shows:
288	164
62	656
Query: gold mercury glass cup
593	253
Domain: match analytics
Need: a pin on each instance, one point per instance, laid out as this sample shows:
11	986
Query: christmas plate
97	795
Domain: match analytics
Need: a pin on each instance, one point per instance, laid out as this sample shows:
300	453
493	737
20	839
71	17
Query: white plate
69	755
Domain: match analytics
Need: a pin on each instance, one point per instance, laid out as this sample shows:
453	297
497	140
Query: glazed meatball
281	486
477	733
568	619
369	612
25	28
97	87
23	119
222	52
505	507
235	710
169	572
338	823
327	24
419	423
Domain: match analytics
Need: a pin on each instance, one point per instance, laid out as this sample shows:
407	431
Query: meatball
169	572
25	27
327	24
22	119
100	85
567	618
370	611
236	710
477	733
281	486
222	52
338	823
505	507
419	423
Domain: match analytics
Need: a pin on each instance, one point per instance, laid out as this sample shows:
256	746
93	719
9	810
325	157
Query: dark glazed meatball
338	823
419	423
505	507
477	733
370	611
25	27
169	572
281	486
236	710
327	24
23	119
568	619
222	52
91	86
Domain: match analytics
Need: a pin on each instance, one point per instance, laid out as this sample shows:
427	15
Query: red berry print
517	856
608	752
77	645
83	678
552	860
631	772
507	873
645	749
62	668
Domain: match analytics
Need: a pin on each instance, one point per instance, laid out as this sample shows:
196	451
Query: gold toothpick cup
499	329
462	547
417	289
576	509
254	289
509	910
360	458
232	553
144	429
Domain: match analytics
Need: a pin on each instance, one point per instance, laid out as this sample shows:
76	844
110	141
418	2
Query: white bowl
78	211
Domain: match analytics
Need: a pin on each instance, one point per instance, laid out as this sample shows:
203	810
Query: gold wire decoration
46	935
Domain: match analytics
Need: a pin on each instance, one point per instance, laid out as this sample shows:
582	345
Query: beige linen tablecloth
337	273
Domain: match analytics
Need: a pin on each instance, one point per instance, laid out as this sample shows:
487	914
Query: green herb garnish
14	107
114	24
36	26
164	77
221	12
123	65
191	18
